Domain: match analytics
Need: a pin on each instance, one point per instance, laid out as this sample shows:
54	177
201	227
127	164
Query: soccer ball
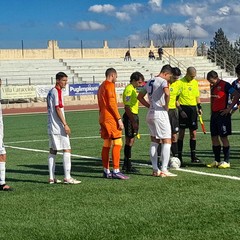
174	162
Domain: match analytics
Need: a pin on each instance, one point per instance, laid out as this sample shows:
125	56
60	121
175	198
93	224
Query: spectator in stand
160	53
151	55
128	56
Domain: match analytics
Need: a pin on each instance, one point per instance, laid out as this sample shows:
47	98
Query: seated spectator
128	56
151	55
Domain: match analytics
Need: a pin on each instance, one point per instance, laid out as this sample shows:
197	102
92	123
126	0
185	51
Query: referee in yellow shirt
190	107
130	118
175	89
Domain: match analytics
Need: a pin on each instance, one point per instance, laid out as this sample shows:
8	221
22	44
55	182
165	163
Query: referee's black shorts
174	120
129	131
191	120
220	125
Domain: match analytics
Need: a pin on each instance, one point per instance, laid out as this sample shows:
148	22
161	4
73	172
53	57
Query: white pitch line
45	151
140	164
209	174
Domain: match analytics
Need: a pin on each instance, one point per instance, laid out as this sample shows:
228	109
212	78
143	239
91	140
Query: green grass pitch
190	206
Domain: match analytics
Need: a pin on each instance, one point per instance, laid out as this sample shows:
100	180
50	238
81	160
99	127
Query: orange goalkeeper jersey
108	111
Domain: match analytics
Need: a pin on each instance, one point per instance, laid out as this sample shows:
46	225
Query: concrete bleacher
21	72
92	70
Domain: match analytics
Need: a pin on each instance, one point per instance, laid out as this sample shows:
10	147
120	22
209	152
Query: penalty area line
139	164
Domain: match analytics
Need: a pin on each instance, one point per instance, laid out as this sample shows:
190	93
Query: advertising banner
83	89
18	92
42	90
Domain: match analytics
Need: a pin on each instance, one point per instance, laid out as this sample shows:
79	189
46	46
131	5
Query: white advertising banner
42	90
17	92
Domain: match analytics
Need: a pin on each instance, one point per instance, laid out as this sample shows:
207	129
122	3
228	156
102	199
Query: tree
169	38
222	51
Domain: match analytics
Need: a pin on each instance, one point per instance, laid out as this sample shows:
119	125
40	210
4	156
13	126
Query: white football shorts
59	142
2	147
159	125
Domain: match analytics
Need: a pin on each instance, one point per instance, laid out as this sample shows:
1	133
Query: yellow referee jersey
130	98
189	92
175	90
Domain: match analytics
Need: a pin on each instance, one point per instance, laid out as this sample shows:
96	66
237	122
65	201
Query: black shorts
220	125
191	120
174	120
129	131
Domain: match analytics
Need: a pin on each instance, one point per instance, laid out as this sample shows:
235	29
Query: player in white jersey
3	156
158	119
58	131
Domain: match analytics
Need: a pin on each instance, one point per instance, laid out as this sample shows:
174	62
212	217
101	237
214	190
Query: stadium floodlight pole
81	48
128	44
22	50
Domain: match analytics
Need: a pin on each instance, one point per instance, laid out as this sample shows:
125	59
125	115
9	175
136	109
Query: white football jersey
154	89
55	99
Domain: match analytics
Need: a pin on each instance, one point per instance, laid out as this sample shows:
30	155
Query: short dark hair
110	71
176	71
237	69
136	76
60	75
212	74
166	68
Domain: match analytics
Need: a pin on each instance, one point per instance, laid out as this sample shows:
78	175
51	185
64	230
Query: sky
70	21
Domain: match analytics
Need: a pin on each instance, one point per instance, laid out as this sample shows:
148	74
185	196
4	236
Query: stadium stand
21	72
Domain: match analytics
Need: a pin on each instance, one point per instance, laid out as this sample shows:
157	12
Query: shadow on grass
25	180
78	166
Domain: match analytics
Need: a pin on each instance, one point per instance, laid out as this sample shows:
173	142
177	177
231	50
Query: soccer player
111	125
3	156
190	107
158	119
236	85
220	123
59	131
130	118
174	88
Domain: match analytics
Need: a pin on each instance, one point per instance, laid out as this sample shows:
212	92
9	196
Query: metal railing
173	61
222	62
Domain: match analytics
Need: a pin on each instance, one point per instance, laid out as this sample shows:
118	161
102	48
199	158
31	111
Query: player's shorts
129	131
220	125
174	120
59	142
109	129
191	120
159	127
2	147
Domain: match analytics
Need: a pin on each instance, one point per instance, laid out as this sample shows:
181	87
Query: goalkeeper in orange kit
111	125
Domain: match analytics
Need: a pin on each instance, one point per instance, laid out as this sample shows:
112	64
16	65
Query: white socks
116	170
67	164
2	172
154	155
51	165
165	155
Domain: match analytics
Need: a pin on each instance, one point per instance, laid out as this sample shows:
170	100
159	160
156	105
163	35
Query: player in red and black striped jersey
220	123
